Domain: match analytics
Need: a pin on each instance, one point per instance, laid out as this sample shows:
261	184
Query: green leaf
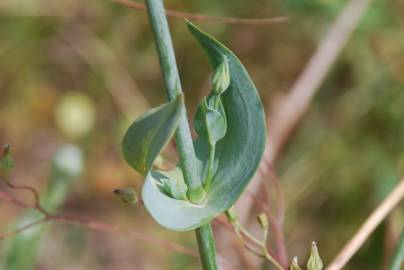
237	156
172	183
210	123
148	135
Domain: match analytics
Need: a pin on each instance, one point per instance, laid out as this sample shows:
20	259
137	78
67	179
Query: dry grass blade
378	215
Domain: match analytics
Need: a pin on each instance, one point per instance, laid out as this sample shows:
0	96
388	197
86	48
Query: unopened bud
294	265
6	160
221	78
314	262
263	220
127	195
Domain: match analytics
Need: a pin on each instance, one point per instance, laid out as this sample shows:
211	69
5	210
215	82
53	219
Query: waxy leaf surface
148	135
238	153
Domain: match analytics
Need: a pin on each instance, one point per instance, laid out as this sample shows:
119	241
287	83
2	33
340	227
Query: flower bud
221	78
231	215
263	220
6	160
294	265
127	195
314	262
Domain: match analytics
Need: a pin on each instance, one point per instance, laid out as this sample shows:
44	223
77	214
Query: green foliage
231	127
148	135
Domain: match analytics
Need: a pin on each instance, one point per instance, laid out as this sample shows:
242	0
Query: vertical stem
398	256
196	192
168	64
206	246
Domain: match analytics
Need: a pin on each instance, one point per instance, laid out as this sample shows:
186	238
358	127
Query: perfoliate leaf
237	155
127	195
148	135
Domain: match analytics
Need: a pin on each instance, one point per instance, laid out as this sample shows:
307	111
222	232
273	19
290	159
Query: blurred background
78	72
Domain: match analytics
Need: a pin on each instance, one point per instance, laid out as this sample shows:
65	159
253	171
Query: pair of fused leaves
236	126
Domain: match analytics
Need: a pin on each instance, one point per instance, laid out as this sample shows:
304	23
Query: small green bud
294	265
196	195
6	160
221	77
127	195
263	220
231	215
314	262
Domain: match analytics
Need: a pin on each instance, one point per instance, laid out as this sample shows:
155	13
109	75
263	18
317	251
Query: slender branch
37	204
90	224
242	233
203	17
368	227
206	244
196	192
13	233
169	70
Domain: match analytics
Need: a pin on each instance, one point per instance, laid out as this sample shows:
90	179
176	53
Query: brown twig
203	17
377	216
10	234
37	205
90	224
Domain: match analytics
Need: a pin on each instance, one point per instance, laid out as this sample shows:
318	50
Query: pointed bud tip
294	264
314	262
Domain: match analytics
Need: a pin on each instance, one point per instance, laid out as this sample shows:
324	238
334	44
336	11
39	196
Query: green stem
206	246
211	163
168	64
196	192
398	256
